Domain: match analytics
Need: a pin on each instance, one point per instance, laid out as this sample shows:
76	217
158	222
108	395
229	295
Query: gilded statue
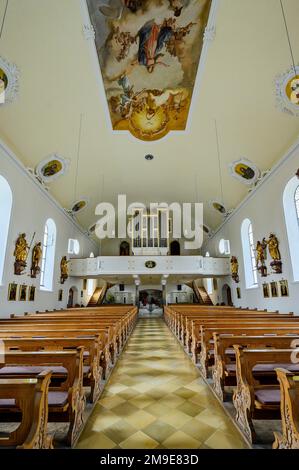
261	255
273	247
21	254
36	259
64	270
234	266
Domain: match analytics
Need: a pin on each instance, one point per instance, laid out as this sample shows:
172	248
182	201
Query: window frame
48	256
249	260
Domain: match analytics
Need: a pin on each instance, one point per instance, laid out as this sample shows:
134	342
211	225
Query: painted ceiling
149	57
61	110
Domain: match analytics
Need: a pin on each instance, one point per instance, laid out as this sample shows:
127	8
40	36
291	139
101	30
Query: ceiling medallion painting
9	81
206	229
245	171
52	168
217	206
287	91
79	205
149	52
92	229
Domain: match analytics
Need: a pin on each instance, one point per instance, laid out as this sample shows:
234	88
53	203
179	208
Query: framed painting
23	293
12	291
31	294
274	289
266	290
284	288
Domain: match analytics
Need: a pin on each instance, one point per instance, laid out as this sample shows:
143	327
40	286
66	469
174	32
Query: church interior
149	214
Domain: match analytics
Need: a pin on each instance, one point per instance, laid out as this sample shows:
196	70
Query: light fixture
149	156
3	19
288	39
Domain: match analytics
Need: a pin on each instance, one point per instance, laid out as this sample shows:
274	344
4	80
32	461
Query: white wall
182	296
32	206
264	207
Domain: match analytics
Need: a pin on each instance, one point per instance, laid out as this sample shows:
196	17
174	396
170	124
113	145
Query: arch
250	268
5	213
227	295
291	215
175	248
73	246
48	258
72	297
224	247
124	249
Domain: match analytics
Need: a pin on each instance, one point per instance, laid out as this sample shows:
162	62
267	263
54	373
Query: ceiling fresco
149	51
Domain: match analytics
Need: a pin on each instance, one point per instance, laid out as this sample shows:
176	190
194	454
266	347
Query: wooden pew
205	344
289	409
92	369
224	368
66	399
30	398
253	400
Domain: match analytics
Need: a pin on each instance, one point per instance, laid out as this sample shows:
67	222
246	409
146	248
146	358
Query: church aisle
155	398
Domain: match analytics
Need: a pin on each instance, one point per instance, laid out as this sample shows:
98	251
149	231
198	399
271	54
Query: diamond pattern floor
155	398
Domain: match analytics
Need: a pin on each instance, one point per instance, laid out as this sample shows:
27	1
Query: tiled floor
155	398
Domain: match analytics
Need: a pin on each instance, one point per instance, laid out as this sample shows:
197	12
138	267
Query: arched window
47	266
91	255
224	247
250	268
5	211
209	280
73	247
291	214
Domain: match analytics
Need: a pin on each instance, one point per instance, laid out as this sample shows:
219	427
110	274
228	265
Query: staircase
98	296
94	299
201	294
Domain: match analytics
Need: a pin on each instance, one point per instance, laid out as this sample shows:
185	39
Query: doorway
227	295
73	298
175	248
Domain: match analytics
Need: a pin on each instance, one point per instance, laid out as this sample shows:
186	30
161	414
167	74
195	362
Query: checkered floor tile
156	399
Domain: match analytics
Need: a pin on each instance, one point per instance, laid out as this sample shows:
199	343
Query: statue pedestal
276	265
20	267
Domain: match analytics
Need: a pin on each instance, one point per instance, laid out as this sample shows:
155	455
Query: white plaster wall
264	207
31	208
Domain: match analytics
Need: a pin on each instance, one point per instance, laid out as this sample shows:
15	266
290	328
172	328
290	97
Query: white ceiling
60	82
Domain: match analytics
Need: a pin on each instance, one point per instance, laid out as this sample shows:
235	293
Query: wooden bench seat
253	400
204	344
30	398
94	360
289	409
224	368
66	399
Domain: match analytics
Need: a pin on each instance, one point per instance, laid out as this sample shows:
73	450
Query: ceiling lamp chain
3	19
288	37
78	158
219	164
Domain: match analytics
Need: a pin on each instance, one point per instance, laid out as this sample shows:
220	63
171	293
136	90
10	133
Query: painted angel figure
152	38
